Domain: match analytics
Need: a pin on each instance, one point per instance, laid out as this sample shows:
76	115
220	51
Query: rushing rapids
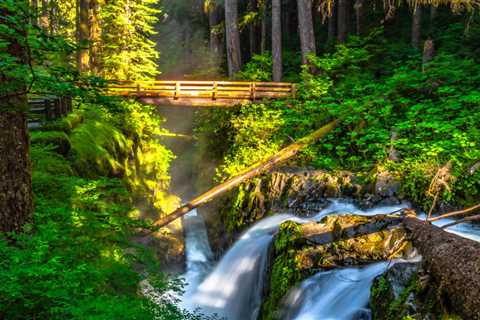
233	287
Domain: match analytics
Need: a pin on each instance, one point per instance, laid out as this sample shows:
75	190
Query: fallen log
256	169
454	264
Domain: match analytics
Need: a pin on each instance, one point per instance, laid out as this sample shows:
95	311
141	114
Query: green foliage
76	260
284	273
259	68
378	87
58	139
128	52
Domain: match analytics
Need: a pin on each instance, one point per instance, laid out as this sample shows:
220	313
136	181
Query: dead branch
455	213
464	220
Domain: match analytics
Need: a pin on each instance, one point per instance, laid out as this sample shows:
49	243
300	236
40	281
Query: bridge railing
203	89
43	109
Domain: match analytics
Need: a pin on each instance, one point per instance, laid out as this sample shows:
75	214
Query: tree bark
342	28
433	16
252	37
44	20
358	16
35	12
454	264
216	38
234	56
263	40
94	37
305	26
416	26
254	170
332	24
277	40
16	199
83	35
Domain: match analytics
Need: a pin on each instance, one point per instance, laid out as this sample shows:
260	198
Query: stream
232	288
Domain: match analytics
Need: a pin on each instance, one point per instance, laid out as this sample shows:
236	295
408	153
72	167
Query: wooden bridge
201	93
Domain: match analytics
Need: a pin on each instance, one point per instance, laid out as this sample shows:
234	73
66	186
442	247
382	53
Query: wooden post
138	90
253	89
294	91
177	90
214	93
47	111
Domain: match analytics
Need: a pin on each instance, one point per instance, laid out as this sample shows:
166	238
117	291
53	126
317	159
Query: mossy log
453	262
256	169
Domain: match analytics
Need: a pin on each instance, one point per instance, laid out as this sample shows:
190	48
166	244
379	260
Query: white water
233	288
335	294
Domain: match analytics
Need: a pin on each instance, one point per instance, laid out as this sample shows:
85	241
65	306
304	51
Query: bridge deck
212	93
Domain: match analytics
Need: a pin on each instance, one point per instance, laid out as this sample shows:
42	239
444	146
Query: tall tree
95	34
305	26
83	35
332	23
263	39
35	12
342	26
277	40
416	26
16	201
234	56
44	19
216	36
358	16
252	37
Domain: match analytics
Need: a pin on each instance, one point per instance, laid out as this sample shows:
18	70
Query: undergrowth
76	260
428	114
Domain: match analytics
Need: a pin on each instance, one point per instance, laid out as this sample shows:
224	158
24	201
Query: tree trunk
342	28
252	37
263	40
332	24
83	36
44	19
35	12
416	26
358	16
216	37
16	200
94	37
454	264
256	169
433	16
234	56
305	26
277	40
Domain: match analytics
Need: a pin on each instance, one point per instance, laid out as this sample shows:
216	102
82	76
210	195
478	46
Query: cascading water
233	288
334	294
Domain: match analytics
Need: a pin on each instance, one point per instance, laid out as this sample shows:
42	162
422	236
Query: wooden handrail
245	90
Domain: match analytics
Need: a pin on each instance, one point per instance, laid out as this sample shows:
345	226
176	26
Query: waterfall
233	288
335	294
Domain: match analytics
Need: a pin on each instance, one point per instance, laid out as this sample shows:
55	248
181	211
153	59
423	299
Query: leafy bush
381	90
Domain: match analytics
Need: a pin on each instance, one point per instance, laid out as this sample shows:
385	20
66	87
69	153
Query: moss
426	300
66	124
284	274
59	141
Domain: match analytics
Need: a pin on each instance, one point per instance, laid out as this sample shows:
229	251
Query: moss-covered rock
301	250
406	292
59	141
